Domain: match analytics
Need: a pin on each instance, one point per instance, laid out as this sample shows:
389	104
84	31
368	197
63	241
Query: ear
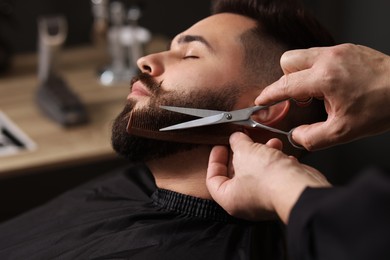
273	114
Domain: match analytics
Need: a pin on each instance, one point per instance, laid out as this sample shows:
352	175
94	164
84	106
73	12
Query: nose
151	64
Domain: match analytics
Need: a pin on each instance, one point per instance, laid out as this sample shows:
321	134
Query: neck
184	172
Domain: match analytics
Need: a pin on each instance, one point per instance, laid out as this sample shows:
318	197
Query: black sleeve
351	222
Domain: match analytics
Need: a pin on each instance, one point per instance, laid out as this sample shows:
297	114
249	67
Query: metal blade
192	111
210	120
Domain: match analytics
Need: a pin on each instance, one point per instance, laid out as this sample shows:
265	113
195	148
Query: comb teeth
148	127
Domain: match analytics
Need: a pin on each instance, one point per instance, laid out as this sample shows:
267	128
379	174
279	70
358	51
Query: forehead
221	30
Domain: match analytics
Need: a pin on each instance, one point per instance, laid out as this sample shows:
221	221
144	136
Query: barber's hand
354	82
263	180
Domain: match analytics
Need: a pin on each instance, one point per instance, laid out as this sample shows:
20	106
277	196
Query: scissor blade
210	120
192	111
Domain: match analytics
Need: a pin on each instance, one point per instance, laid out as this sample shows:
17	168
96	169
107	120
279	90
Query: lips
138	89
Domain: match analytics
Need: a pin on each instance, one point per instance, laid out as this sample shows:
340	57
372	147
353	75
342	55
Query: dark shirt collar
191	206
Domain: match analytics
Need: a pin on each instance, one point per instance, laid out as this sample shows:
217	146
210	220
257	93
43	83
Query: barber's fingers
218	162
297	60
218	177
300	81
275	143
218	166
300	85
316	136
238	139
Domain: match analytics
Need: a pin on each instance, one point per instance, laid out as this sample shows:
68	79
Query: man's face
202	69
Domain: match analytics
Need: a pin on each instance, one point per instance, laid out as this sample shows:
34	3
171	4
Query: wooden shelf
59	146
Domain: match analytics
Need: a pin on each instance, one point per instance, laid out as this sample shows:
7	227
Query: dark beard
140	149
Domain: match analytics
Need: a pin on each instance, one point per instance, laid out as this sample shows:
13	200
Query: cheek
205	75
191	80
247	98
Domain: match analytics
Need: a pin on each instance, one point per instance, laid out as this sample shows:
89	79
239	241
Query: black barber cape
344	223
123	215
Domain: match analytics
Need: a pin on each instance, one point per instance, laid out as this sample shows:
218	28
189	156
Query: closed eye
190	57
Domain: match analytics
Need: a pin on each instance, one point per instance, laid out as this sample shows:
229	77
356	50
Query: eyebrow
194	38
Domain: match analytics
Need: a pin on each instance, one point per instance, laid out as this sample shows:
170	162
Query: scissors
212	117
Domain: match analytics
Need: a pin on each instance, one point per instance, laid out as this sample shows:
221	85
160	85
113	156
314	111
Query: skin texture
191	64
354	82
206	57
261	179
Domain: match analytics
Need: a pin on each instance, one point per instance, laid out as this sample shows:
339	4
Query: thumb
217	172
218	180
313	137
239	139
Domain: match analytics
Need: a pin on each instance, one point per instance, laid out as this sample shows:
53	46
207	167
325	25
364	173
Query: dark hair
281	25
286	21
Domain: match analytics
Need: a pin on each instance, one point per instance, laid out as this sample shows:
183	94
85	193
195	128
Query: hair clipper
54	95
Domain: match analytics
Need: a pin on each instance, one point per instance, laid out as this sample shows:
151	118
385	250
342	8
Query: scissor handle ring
292	142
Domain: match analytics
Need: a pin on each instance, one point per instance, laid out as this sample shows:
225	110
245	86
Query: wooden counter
59	146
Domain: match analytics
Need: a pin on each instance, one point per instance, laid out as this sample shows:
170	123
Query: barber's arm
354	82
349	222
323	222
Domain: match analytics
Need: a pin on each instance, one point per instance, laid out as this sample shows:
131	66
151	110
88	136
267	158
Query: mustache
151	84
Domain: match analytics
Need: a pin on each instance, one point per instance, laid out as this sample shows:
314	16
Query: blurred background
358	21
